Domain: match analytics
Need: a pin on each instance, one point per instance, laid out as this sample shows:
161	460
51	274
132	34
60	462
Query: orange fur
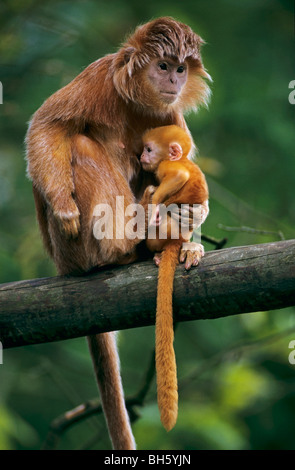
180	182
165	356
82	150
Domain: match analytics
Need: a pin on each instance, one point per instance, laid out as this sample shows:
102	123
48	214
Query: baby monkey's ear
175	151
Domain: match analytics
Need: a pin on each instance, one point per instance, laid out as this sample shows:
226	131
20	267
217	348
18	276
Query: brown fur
180	182
82	149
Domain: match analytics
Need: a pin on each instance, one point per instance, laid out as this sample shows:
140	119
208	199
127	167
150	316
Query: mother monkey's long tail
106	366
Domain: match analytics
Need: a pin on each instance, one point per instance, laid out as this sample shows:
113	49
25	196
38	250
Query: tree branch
227	282
252	230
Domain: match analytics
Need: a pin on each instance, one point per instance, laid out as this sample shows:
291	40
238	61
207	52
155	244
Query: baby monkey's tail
165	356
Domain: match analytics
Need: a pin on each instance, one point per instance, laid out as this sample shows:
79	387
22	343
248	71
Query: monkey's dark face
168	78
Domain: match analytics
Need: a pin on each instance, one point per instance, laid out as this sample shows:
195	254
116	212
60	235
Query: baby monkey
180	182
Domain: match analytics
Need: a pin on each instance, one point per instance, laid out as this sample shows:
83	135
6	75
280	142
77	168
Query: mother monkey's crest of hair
162	38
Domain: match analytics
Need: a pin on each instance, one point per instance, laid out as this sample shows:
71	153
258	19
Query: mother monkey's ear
124	67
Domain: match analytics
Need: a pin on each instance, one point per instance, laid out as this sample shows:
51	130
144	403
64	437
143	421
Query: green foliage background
237	387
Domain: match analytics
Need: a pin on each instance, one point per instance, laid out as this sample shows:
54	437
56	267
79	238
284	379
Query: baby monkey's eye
149	149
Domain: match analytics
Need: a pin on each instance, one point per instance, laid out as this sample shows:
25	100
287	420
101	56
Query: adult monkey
83	149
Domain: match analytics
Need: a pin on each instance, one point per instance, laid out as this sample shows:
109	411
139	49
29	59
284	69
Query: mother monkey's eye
163	66
181	69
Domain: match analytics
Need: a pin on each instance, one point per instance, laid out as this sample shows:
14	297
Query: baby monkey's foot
157	258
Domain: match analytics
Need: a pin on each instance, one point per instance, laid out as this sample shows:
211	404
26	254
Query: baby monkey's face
151	156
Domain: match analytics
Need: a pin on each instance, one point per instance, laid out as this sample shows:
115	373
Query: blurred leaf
12	428
241	386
